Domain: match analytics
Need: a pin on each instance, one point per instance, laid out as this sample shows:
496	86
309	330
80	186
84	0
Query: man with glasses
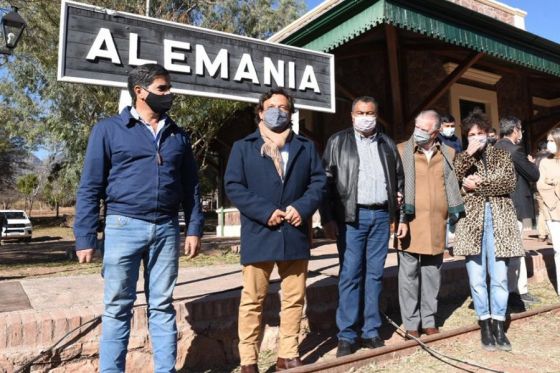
141	163
365	182
527	172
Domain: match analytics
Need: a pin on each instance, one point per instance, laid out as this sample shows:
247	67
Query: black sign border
64	78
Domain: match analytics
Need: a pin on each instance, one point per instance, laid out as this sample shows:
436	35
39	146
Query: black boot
499	333
486	336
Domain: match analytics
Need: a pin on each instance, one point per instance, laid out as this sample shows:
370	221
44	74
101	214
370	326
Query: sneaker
528	298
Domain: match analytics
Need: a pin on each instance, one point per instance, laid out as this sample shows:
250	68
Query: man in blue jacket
141	163
276	180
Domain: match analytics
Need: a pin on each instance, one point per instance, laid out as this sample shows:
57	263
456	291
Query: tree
41	110
28	186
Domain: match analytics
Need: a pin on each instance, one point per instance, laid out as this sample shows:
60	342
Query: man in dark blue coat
276	180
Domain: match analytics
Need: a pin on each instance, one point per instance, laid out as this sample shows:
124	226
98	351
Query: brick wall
207	326
487	9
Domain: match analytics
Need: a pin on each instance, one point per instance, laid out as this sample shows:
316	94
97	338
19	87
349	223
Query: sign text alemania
100	46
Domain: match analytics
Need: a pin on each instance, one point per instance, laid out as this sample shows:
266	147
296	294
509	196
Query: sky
542	15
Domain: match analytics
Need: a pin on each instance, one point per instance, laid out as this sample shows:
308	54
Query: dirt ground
50	253
535	341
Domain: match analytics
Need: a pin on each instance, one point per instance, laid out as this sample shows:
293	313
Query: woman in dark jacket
488	234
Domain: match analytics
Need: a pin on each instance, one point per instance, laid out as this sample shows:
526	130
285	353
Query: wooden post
391	37
446	84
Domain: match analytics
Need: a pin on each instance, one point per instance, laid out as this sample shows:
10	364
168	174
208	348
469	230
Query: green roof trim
450	23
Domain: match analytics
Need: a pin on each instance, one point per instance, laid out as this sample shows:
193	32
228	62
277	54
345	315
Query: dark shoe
502	342
283	364
486	337
345	348
374	342
253	368
413	333
528	298
431	331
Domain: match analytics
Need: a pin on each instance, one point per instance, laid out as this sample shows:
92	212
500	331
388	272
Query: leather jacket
341	162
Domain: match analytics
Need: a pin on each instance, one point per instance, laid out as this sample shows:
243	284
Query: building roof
335	22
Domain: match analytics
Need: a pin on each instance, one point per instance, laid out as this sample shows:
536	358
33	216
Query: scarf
273	142
454	199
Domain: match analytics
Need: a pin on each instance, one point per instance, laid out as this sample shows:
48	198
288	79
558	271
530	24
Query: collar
134	114
361	137
435	145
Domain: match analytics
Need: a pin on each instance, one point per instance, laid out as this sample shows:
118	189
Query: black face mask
492	140
160	103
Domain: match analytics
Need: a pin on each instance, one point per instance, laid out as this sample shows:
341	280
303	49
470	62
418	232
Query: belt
375	206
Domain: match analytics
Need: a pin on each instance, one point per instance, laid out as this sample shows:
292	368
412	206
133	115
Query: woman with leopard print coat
488	234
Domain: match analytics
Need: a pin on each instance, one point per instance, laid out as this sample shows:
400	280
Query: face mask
421	137
448	131
551	147
276	119
365	123
480	138
492	140
159	103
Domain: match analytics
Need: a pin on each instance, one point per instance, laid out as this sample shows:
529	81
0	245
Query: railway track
361	359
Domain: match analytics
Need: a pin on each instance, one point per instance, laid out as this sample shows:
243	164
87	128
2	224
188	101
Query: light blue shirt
372	185
285	153
160	124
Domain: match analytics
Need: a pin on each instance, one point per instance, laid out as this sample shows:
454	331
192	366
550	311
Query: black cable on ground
438	355
428	349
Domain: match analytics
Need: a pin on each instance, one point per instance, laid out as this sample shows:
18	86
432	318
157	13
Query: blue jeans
128	242
497	269
365	250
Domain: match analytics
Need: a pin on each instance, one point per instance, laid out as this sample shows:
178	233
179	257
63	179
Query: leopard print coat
498	181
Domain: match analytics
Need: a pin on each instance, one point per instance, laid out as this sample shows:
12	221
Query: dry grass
535	341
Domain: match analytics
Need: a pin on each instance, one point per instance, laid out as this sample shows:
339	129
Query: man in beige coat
431	193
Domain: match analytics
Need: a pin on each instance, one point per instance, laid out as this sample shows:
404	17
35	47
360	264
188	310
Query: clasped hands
291	216
472	182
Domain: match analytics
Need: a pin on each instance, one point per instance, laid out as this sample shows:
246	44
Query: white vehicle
15	225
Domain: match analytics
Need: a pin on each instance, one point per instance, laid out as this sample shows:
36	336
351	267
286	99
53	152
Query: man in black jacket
527	172
365	182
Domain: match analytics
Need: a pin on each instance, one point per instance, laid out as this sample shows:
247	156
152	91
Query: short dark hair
265	96
144	75
476	118
365	99
508	124
492	130
447	118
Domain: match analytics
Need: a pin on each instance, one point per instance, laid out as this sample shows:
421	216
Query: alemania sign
100	46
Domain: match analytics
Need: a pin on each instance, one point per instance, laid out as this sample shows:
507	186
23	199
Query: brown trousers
255	287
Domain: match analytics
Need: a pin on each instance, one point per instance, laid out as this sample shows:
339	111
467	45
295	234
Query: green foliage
43	111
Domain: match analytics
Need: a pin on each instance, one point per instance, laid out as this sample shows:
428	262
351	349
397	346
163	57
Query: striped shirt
372	185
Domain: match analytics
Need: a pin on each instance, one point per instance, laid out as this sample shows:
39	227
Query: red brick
3	333
30	330
14	330
60	324
46	326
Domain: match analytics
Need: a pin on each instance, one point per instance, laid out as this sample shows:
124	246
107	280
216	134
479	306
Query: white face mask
448	131
551	147
365	123
479	138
